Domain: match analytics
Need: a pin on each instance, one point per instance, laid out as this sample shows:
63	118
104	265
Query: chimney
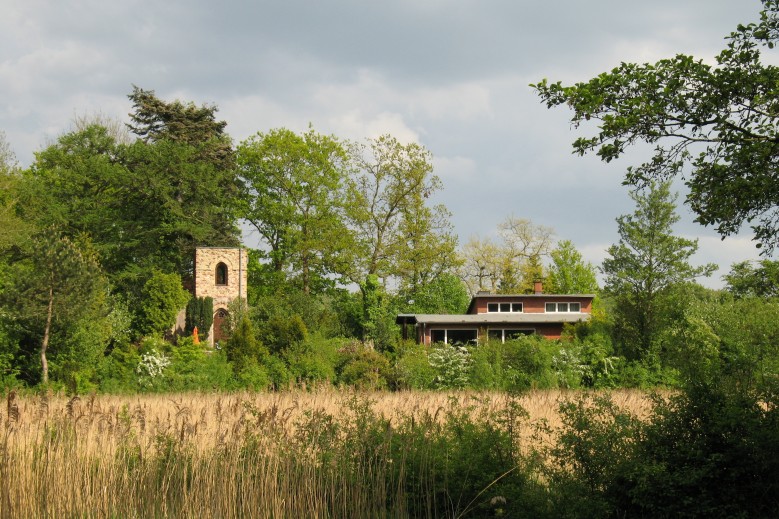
538	286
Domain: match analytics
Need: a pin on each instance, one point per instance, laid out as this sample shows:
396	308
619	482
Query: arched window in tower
221	274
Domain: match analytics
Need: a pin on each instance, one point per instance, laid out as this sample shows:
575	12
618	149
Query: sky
451	75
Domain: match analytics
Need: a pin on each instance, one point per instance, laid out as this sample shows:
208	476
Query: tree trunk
45	342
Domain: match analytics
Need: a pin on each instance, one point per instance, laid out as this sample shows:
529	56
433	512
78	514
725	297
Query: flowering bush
151	366
451	365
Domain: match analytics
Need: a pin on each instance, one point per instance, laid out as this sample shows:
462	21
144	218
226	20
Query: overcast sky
451	75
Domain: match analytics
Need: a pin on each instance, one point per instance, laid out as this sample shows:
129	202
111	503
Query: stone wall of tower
235	260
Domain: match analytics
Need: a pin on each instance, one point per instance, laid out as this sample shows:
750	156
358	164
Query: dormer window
221	274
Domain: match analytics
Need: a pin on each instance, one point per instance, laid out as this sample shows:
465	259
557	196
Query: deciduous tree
12	228
387	208
717	122
51	285
748	280
510	265
144	205
569	273
645	267
295	200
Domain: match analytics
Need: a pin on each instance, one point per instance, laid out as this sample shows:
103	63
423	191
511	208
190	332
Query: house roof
493	318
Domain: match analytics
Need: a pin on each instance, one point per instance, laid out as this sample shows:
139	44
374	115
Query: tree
511	265
12	228
388	211
569	273
144	205
645	267
429	251
719	120
746	280
156	120
446	294
200	315
162	299
54	283
294	198
482	265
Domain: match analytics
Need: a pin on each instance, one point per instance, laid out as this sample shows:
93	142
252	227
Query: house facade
500	317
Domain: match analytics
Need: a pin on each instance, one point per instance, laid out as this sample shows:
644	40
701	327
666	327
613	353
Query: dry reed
226	455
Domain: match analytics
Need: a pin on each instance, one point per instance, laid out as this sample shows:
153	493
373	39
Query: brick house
501	317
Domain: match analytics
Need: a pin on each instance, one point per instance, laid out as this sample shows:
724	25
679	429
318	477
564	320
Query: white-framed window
504	307
563	307
507	334
454	336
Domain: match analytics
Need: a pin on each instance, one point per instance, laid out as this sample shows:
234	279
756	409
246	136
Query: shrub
162	298
312	360
200	315
243	348
450	365
412	368
362	367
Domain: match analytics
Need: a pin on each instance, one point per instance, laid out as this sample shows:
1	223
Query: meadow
315	453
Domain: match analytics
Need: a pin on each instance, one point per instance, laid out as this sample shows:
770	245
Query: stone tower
220	273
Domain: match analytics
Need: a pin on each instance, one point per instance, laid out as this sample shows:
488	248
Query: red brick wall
532	304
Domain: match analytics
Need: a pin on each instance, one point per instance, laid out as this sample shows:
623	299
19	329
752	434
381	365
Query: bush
243	348
200	315
362	367
412	368
450	365
162	298
312	360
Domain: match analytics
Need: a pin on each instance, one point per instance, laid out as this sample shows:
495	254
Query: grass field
322	453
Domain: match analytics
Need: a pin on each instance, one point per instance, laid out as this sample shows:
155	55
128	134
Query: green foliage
569	273
192	368
156	120
680	102
594	450
144	204
313	360
746	280
281	332
13	229
715	446
294	199
242	348
733	337
645	269
9	370
200	315
55	289
379	312
396	234
412	367
362	367
116	371
705	452
162	298
446	294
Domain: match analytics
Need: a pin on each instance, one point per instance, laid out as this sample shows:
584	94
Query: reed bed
321	453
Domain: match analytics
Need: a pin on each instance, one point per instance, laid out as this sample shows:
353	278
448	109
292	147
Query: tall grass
296	454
